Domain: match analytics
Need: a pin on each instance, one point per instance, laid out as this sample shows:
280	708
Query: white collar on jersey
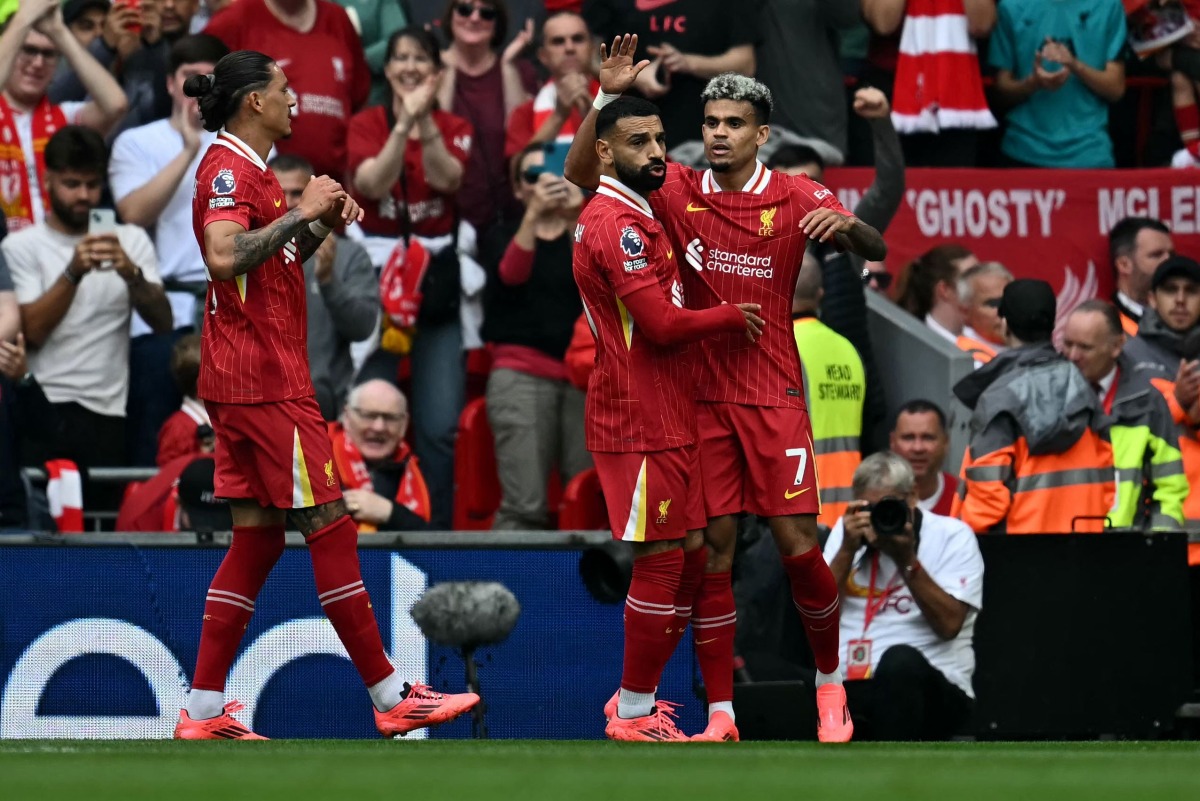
230	141
755	185
613	188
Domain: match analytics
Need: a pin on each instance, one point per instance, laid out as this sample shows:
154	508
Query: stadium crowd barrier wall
99	633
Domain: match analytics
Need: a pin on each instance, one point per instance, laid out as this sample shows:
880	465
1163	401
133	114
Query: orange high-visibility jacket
1039	460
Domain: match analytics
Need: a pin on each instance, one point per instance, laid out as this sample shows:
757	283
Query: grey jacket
339	313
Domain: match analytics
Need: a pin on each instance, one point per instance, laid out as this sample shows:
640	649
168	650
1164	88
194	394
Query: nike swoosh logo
692	207
650	5
278	203
790	495
706	642
670	253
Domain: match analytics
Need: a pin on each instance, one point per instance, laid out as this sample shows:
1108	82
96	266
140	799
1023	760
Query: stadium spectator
920	436
134	44
1136	246
30	46
979	291
316	46
875	277
197	507
556	110
796	55
77	293
1151	485
187	432
1039	459
834	389
275	460
484	85
86	18
748	396
383	484
928	289
1057	68
690	41
343	297
407	161
375	21
581	354
909	603
640	417
1170	317
531	304
937	92
152	174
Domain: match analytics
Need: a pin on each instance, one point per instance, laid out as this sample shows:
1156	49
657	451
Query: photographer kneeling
911	584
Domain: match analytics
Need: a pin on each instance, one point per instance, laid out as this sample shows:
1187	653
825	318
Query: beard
641	179
69	215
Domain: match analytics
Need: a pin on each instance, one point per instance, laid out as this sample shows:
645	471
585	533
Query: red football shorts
277	454
757	459
652	496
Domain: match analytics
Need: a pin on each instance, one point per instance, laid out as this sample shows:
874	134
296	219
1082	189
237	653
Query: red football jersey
326	67
431	212
255	342
743	247
639	394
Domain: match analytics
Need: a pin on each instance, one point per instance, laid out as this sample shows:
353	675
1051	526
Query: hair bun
199	85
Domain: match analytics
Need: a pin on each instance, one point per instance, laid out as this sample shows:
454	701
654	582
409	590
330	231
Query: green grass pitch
298	770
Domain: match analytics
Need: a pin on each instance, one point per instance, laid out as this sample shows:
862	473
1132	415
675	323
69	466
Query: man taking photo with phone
911	585
77	291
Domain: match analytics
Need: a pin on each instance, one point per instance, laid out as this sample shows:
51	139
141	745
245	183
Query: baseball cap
1175	267
1029	306
73	9
197	499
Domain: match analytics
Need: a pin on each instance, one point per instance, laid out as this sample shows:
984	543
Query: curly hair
734	86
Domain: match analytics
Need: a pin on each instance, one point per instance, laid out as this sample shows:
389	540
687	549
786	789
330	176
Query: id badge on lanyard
858	652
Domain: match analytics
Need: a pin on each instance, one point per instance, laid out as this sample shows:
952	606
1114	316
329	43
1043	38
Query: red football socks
816	598
334	551
714	623
229	606
689	588
649	614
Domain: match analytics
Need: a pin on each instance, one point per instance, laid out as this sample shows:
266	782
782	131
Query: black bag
441	286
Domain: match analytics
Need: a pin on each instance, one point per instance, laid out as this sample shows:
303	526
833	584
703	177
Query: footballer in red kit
639	417
743	231
273	458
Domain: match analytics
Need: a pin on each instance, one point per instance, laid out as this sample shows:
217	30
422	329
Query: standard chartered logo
724	261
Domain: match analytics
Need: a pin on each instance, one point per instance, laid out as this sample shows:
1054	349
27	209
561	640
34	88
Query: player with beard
744	229
640	416
274	460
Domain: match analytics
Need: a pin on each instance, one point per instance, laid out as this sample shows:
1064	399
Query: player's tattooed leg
311	520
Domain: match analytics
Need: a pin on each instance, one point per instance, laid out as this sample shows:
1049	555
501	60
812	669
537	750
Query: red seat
582	507
476	486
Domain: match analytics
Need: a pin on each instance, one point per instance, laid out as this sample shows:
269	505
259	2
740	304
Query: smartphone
102	221
137	26
556	157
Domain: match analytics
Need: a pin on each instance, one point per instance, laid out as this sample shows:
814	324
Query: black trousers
89	440
908	699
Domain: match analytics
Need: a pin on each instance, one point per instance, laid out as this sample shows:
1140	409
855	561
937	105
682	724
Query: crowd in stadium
449	125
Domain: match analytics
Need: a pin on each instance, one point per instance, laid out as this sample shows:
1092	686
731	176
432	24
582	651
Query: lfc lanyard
875	608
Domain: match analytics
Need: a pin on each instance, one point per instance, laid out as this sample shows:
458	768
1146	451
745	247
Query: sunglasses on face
992	303
465	10
882	279
530	174
559	41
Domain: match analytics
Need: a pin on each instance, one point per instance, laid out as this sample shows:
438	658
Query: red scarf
16	197
938	84
412	493
64	492
400	292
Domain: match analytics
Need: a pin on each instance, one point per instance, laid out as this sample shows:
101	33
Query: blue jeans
153	396
436	397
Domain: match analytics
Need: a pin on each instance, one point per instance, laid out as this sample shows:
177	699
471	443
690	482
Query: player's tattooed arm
863	240
252	248
307	242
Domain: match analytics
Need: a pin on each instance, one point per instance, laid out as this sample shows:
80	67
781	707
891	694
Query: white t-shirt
23	122
85	360
138	155
949	553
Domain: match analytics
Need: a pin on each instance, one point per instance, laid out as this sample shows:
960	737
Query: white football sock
634	705
205	704
721	706
387	693
829	678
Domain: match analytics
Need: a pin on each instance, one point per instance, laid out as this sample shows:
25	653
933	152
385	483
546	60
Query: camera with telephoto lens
889	516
